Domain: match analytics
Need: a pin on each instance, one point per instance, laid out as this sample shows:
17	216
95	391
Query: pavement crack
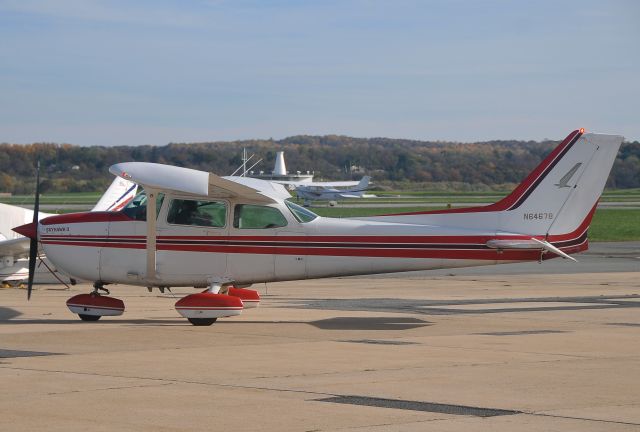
110	388
174	381
582	418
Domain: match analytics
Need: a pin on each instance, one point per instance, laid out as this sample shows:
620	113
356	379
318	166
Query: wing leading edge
194	182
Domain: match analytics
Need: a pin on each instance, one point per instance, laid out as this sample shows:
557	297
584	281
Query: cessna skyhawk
193	228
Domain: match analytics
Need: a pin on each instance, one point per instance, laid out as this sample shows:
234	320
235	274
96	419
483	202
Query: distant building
280	172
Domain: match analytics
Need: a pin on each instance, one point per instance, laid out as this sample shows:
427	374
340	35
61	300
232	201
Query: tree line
393	163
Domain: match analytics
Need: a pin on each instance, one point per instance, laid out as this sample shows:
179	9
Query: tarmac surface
536	348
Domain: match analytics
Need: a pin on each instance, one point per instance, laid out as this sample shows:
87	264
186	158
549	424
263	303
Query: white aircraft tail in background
117	195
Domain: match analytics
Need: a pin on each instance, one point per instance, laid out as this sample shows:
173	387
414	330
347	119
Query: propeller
33	244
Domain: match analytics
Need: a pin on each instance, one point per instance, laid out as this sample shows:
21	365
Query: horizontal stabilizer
551	248
531	243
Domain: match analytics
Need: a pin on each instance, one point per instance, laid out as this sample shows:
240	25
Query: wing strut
151	234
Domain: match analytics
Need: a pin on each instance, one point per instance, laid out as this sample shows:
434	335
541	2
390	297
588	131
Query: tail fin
363	184
117	196
557	200
560	194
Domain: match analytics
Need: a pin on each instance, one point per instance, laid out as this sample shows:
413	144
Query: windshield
300	213
137	208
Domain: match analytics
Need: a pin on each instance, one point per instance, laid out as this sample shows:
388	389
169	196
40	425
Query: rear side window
247	216
197	213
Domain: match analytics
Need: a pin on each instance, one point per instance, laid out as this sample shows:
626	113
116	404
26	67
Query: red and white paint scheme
201	307
222	231
250	298
90	307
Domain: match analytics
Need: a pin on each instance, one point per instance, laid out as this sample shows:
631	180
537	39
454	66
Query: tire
89	317
202	321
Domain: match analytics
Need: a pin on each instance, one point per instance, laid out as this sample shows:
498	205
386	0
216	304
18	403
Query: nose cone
28	230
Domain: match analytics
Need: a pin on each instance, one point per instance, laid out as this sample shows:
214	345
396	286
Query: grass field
615	225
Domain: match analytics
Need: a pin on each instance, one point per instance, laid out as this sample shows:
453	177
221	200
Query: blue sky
151	72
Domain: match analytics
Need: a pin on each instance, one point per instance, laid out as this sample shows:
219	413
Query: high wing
17	247
157	178
198	183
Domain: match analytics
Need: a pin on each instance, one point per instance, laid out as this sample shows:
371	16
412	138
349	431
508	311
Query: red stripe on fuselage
380	246
483	254
85	217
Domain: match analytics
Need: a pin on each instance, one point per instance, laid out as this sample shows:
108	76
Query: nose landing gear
93	306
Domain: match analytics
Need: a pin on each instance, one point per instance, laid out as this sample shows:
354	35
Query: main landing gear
203	309
93	306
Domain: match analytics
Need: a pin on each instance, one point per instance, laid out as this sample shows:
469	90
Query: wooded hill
402	164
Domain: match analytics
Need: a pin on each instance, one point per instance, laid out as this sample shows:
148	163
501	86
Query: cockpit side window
198	213
247	216
137	208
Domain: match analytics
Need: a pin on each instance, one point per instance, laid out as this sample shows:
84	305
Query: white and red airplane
221	233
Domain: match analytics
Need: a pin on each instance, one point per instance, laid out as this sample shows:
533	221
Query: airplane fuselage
112	247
